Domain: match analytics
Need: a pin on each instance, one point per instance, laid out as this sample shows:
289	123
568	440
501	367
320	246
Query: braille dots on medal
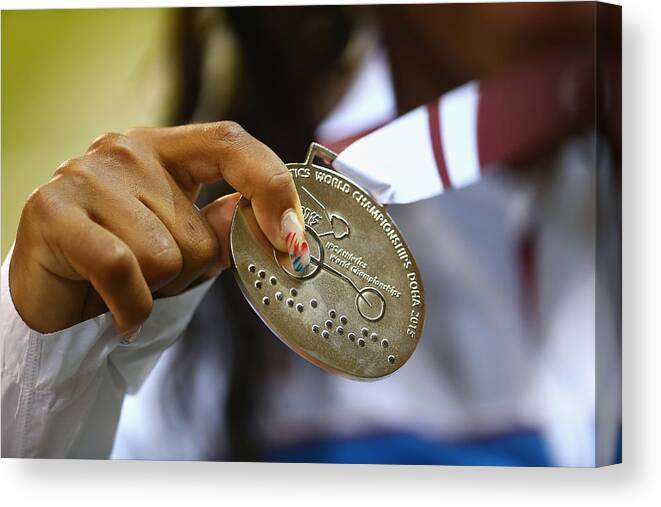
279	294
336	322
288	297
258	283
331	325
361	339
290	301
261	280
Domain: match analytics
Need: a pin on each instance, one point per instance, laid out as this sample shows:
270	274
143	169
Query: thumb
219	216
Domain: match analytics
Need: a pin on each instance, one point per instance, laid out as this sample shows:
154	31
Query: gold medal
359	309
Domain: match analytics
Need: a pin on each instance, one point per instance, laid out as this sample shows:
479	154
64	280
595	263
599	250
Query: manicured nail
297	245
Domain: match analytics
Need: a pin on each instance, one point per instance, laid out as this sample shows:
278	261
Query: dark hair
288	56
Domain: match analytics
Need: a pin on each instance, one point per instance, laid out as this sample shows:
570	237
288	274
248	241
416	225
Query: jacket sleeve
62	392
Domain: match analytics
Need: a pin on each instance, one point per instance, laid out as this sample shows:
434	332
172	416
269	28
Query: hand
117	226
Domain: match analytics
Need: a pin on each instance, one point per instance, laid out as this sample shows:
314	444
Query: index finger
206	152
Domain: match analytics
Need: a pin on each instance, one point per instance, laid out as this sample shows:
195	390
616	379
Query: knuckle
124	154
228	133
279	183
104	140
46	216
207	252
69	166
76	173
39	202
82	178
162	266
118	263
135	132
118	147
199	247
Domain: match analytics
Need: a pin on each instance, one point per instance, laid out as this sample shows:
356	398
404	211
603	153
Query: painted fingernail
297	245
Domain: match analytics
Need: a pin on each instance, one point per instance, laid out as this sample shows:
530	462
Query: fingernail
294	236
130	336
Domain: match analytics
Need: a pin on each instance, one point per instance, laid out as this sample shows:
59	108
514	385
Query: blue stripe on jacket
522	448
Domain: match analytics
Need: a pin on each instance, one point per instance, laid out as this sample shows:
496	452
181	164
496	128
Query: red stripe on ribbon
434	118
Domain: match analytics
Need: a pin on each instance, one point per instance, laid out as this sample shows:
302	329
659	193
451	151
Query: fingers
219	216
195	153
201	153
141	203
150	240
121	218
195	239
111	267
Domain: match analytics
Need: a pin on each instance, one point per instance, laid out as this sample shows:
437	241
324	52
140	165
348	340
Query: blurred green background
71	75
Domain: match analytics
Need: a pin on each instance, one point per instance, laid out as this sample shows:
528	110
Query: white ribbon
398	163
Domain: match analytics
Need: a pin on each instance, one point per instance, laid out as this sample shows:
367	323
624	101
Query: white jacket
62	392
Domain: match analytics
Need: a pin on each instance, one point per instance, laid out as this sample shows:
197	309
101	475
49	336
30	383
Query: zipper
32	360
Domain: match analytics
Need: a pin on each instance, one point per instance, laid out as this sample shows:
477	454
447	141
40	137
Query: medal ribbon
452	141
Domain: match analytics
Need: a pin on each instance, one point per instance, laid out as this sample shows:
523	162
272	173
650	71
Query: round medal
359	309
